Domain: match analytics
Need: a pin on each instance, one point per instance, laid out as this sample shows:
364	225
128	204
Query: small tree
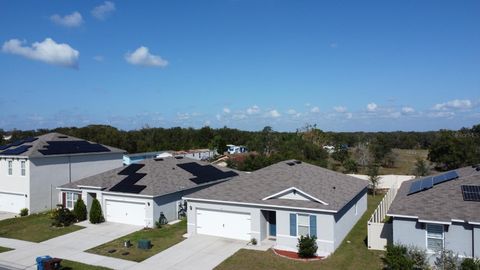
80	210
418	257
350	166
307	246
62	217
421	167
96	215
373	177
447	260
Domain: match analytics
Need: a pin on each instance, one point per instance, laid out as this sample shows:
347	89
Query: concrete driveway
198	252
69	246
6	215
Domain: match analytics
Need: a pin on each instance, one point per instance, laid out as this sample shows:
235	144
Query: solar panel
427	183
131	169
3	147
445	177
16	151
20	142
471	193
72	147
415	187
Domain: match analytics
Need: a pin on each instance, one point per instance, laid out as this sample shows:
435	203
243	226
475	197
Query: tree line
448	149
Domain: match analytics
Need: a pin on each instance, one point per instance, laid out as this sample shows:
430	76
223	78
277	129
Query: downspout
69	170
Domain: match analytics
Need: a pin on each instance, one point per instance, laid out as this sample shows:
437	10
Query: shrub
470	264
253	241
307	246
162	220
96	215
24	212
418	257
62	217
80	210
396	258
447	260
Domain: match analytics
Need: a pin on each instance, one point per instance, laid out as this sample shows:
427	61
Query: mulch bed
294	255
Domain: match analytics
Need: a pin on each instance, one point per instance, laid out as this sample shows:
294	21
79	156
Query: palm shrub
96	215
24	212
307	246
80	210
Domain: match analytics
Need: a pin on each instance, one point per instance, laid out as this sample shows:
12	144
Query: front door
272	223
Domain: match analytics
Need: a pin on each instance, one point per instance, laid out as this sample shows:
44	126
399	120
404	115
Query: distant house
198	154
280	203
236	149
32	168
329	148
139	193
137	157
439	212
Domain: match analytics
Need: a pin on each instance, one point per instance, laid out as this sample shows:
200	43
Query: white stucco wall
47	173
347	217
15	183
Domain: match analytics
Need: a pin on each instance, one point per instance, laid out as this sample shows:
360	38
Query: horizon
346	67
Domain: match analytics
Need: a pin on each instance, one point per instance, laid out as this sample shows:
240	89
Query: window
70	199
10	167
303	223
434	237
22	168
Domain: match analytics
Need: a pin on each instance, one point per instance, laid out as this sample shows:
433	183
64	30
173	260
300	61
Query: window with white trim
22	167
10	167
435	237
70	199
303	225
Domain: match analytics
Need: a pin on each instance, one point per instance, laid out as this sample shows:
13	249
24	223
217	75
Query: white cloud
349	115
371	107
142	57
47	51
407	110
315	110
239	116
253	110
98	58
291	112
227	110
183	116
103	11
219	117
441	114
456	104
340	109
273	114
70	20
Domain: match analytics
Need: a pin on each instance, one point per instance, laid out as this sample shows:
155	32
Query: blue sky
345	66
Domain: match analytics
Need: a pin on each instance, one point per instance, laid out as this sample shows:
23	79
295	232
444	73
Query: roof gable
294	193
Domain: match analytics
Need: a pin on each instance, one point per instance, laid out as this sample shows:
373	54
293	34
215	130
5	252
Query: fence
379	232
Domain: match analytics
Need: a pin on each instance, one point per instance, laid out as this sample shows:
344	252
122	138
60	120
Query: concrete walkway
69	246
6	215
198	252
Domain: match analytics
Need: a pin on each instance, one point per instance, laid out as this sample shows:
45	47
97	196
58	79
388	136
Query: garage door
224	224
125	212
12	202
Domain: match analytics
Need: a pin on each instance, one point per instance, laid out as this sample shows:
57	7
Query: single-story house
281	202
32	168
439	212
139	193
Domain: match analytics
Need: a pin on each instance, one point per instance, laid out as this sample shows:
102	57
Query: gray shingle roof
443	202
161	177
334	188
43	140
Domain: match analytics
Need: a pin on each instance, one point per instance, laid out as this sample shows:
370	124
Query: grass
405	161
4	249
67	265
34	228
353	255
161	239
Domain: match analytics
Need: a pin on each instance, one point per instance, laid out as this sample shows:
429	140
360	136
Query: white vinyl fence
380	233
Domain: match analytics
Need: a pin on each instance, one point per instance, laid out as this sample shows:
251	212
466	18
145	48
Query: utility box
144	244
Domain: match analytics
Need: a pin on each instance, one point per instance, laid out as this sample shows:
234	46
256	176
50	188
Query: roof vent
179	157
290	163
297	161
158	159
478	169
62	137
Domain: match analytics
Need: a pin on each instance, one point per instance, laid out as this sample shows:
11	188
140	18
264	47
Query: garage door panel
224	224
12	202
127	212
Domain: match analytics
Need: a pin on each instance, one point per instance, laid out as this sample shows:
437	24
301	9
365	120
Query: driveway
69	246
198	252
6	215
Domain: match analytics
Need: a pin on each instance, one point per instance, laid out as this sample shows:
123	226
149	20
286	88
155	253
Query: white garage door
12	202
224	224
125	212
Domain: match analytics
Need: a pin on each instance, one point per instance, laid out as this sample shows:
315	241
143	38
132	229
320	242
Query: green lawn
161	239
67	265
4	249
353	255
405	161
34	228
